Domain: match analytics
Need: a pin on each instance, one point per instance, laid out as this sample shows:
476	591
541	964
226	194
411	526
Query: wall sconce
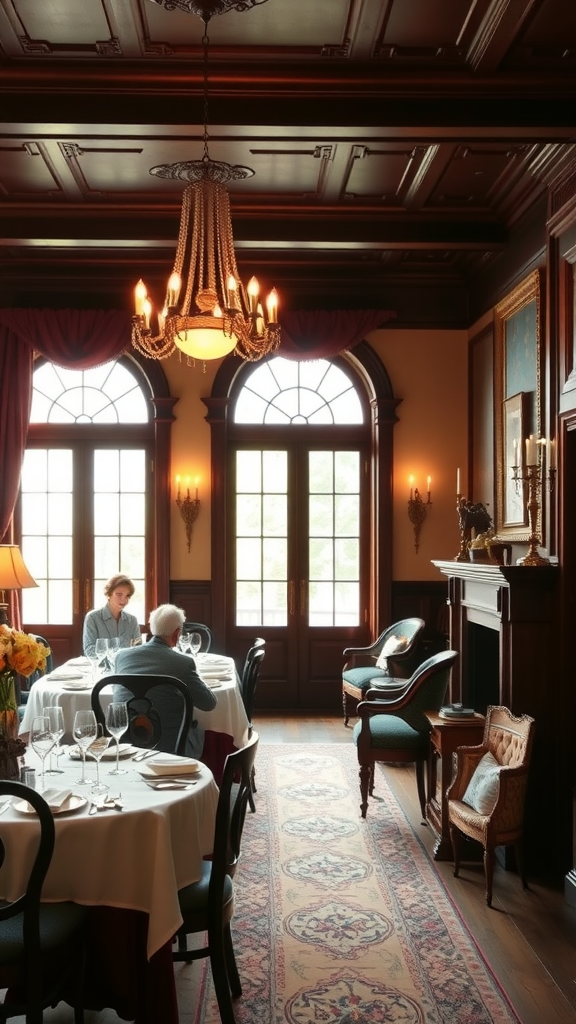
189	508
418	509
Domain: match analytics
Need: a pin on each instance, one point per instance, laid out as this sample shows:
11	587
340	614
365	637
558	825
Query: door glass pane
334	538
261	538
119	520
47	535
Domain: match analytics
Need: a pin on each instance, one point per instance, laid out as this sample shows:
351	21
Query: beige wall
428	371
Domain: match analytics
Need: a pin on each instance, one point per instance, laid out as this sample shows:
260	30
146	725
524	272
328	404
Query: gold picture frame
517	398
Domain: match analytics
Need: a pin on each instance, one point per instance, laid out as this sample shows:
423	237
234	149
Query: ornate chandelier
207	311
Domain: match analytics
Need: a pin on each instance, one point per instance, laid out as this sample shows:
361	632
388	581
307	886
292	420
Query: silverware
144	755
172	785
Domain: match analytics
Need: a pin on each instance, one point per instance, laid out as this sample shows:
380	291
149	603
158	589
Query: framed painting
517	398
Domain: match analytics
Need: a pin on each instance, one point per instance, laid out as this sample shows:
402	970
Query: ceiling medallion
206	9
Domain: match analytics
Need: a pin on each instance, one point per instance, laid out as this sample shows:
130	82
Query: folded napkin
172	765
79	661
214	671
56	798
65	673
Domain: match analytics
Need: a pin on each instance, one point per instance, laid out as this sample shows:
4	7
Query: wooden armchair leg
364	784
345	706
489	860
371	786
420	785
455	839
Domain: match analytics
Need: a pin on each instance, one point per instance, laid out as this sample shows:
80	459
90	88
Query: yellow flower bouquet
20	654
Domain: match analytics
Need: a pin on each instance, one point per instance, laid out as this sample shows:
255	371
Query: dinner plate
61	674
70	806
80	661
77	686
126	749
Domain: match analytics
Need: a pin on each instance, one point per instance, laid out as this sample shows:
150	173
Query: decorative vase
11	747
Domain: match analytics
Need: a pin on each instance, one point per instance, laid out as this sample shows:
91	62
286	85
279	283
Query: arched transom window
104	394
284	392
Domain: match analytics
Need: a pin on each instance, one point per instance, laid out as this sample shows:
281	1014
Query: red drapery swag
80	339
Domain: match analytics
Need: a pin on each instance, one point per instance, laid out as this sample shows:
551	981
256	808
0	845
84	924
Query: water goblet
195	643
117	724
85	732
97	749
42	740
101	651
56	717
114	645
184	642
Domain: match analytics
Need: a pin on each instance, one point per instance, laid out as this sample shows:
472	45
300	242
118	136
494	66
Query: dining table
226	727
125	860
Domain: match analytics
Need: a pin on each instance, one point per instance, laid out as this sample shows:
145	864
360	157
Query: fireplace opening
482	680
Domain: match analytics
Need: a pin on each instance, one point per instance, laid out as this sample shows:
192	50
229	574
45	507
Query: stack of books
456	711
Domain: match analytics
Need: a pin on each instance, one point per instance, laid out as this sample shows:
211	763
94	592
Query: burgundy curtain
73	338
320	333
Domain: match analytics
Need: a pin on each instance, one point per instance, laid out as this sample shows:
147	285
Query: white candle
457	481
531	451
411	482
429	483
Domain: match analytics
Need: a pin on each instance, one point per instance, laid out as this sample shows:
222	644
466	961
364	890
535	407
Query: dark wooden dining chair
41	944
160	709
248	683
394	655
205	633
208	905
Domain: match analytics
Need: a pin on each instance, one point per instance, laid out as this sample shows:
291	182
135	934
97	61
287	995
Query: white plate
79	661
77	686
62	674
126	749
72	804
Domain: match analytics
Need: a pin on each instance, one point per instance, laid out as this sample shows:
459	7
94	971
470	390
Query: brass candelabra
189	509
532	476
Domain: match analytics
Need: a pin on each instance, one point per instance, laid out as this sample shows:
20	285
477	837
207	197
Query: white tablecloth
134	859
227	717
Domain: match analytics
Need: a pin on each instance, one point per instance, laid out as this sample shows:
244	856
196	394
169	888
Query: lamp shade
13	572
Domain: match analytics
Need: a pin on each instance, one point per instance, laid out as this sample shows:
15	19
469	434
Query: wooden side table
446	735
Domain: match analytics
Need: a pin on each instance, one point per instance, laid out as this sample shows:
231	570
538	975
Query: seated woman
112	620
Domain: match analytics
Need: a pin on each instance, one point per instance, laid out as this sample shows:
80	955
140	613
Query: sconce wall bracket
417	512
189	509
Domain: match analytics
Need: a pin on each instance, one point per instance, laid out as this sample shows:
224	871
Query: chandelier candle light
532	474
418	509
207	311
189	508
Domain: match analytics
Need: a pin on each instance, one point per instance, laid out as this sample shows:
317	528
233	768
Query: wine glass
195	643
117	724
184	642
85	732
55	716
42	740
114	645
97	749
101	649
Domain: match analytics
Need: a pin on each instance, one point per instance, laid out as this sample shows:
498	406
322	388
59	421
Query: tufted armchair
398	645
396	729
486	796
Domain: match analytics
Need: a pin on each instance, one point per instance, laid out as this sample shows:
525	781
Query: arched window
295	511
87	493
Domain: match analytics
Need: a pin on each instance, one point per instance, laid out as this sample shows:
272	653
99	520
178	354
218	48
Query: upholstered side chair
396	730
394	655
486	796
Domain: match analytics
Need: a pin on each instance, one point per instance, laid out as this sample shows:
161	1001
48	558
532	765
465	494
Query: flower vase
11	748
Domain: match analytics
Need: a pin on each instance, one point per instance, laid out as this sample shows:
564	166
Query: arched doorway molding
371	375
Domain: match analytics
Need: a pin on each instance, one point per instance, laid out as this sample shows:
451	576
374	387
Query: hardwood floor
528	936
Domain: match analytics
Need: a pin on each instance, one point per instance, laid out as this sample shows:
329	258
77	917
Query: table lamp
13	576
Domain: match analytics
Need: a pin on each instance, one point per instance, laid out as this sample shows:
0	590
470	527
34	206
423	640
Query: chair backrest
160	709
28	903
205	633
250	674
508	737
424	691
230	815
402	663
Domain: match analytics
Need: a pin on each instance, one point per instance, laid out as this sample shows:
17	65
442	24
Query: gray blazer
100	623
158	658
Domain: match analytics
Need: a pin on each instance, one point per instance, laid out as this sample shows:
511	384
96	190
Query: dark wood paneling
195	597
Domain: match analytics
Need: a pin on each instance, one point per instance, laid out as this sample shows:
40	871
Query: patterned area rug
340	920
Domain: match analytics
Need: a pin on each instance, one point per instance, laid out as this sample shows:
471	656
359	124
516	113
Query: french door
83	517
298	555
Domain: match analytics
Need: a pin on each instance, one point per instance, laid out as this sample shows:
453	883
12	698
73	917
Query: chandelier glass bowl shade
207	312
205	9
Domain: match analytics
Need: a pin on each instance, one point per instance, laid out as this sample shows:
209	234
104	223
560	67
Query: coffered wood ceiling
395	143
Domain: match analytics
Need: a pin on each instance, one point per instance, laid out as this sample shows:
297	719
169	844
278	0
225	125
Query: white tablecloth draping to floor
227	717
135	859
